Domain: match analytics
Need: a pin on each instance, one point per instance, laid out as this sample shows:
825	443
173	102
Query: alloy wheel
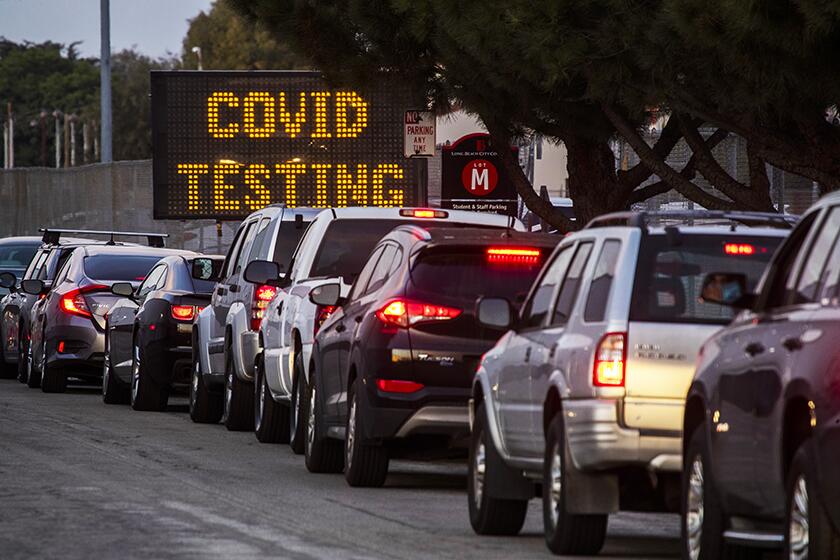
106	361
556	489
310	419
261	401
694	509
228	394
293	420
798	530
479	468
351	433
194	383
135	374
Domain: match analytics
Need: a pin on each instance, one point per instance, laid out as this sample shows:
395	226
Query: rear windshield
347	244
670	273
120	268
468	273
288	236
16	256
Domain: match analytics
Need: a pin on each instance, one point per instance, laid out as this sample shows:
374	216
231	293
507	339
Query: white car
333	248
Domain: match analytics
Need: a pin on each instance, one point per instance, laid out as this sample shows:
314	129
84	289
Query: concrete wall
101	196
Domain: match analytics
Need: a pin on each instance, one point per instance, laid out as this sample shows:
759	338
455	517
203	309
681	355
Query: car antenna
111	240
509	231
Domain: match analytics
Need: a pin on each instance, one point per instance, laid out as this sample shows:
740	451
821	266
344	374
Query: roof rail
643	219
53	236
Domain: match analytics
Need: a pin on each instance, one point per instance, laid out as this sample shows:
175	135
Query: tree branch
658	165
640	172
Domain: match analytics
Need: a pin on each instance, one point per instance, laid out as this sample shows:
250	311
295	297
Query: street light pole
105	80
197	51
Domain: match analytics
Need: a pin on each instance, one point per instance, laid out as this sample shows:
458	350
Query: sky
153	27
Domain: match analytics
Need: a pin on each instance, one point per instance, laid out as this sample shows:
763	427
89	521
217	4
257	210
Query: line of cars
557	366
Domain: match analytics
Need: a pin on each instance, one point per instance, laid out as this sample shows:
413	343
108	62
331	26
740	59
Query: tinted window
347	244
16	256
383	267
537	308
781	272
259	240
119	268
240	252
35	265
288	236
812	271
362	280
670	273
152	281
571	285
230	259
602	278
468	274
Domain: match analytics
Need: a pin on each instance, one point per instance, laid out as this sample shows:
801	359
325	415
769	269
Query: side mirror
495	313
123	289
8	280
262	272
206	269
325	295
33	286
726	288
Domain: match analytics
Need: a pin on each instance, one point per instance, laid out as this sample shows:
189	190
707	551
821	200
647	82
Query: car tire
805	510
488	515
322	454
23	353
238	410
364	465
297	410
53	379
113	392
33	375
146	394
703	519
565	532
7	370
205	406
271	419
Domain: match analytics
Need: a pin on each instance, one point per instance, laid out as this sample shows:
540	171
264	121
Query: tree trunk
592	179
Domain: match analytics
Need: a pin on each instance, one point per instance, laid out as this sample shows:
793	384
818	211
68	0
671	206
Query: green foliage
228	41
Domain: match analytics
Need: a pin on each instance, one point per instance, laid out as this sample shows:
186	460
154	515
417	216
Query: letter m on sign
480	178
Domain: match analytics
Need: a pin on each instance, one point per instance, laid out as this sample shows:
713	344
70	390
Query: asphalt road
80	479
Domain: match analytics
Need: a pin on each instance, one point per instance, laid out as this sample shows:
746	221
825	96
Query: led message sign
228	143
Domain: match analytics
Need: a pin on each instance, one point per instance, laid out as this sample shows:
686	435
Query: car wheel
33	376
488	515
297	415
322	454
808	530
565	533
23	355
205	406
146	394
53	379
113	392
238	412
364	465
271	419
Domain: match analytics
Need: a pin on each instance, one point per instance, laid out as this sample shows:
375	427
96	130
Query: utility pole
105	79
57	116
72	140
42	127
9	137
66	140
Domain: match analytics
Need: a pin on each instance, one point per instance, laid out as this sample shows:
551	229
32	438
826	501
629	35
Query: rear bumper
598	441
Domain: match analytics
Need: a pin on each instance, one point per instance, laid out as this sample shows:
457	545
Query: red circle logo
479	177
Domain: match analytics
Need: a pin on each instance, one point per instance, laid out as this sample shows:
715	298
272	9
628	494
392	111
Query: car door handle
359	318
552	350
234	288
221	291
340	327
754	348
527	354
793	344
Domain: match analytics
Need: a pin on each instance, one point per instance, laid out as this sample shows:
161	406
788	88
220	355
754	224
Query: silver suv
586	390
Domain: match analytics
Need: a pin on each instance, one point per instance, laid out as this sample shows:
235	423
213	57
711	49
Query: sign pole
105	79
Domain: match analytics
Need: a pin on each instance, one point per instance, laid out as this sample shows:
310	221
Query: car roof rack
646	219
52	236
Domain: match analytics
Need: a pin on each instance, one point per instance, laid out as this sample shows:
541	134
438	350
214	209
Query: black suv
762	418
394	363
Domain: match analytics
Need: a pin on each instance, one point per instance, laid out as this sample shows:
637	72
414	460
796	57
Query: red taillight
610	358
513	255
61	347
740	249
403	313
423	213
74	303
322	313
262	297
183	312
398	386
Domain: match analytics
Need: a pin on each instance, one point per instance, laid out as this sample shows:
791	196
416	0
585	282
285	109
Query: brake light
262	297
513	255
398	386
183	312
74	303
322	313
610	357
423	213
739	249
403	313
